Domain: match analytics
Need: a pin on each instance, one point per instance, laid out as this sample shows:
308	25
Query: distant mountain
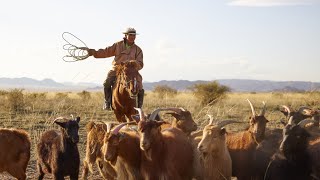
236	85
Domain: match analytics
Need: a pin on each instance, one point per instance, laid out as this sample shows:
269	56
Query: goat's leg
58	176
106	170
85	170
74	175
41	173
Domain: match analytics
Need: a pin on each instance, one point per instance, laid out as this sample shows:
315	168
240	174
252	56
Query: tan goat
214	155
95	135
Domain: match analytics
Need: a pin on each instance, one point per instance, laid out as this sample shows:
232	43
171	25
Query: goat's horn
141	114
252	109
290	120
108	127
211	119
305	121
264	109
155	113
287	108
182	109
59	118
118	127
226	122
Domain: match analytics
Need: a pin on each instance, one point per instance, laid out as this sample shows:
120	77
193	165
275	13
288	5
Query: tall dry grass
37	110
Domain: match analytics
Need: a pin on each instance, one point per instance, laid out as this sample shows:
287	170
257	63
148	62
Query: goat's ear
77	119
61	124
223	131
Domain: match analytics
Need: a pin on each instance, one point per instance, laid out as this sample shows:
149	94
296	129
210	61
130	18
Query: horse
125	90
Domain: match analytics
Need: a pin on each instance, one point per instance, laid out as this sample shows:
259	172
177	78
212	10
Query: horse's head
129	77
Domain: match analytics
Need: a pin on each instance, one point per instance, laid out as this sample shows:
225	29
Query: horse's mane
129	66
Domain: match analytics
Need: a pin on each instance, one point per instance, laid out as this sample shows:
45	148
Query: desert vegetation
34	112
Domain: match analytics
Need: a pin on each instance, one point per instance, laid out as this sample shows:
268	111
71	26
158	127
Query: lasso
74	52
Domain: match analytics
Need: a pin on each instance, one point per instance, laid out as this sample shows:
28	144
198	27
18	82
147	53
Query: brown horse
125	90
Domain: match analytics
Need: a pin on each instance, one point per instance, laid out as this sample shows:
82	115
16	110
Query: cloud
269	3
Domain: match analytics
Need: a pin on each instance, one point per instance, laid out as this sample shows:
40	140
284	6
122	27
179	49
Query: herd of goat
153	149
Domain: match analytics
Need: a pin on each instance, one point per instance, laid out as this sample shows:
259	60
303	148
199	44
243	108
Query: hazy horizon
275	40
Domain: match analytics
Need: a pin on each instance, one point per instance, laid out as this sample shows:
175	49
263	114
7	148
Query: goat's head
302	113
149	130
183	120
70	128
294	138
258	123
111	143
213	138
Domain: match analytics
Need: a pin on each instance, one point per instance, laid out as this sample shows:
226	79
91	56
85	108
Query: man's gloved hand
90	51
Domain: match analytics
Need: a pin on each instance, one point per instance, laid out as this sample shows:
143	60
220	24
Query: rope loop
74	52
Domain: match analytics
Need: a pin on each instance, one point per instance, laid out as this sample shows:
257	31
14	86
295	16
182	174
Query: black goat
58	152
293	162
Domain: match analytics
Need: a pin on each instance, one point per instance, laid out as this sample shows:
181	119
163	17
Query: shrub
209	93
84	95
163	90
15	99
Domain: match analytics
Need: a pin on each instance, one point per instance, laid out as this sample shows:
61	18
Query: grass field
34	112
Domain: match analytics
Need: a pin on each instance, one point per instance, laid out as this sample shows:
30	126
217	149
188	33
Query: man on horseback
124	50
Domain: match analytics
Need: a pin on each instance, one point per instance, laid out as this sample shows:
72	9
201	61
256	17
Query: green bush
163	90
209	93
16	99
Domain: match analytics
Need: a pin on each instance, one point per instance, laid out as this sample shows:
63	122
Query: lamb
293	162
122	149
15	152
242	145
215	158
94	155
166	154
57	150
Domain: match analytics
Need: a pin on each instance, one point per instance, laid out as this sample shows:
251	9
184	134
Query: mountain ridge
236	85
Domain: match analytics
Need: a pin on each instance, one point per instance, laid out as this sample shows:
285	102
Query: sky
276	40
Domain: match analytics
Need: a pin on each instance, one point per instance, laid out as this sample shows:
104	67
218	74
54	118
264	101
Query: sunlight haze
181	40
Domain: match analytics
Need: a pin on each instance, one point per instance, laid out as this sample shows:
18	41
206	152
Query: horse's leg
120	117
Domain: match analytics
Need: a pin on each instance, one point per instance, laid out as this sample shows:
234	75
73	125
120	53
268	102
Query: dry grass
38	111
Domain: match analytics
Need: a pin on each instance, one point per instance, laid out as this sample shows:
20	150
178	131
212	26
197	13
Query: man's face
131	38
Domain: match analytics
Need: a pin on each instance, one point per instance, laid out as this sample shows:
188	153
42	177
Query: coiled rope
74	52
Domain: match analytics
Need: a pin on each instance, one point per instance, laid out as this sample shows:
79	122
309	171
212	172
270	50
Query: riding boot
140	98
107	98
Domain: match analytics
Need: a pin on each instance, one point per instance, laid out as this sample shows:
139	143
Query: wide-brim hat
130	31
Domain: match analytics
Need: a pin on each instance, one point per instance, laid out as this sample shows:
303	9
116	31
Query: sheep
242	145
166	154
57	150
95	135
15	152
122	149
215	158
293	162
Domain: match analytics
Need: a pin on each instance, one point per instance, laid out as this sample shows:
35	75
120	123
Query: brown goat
215	158
122	149
94	155
301	114
15	152
166	154
242	145
182	119
314	152
58	152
